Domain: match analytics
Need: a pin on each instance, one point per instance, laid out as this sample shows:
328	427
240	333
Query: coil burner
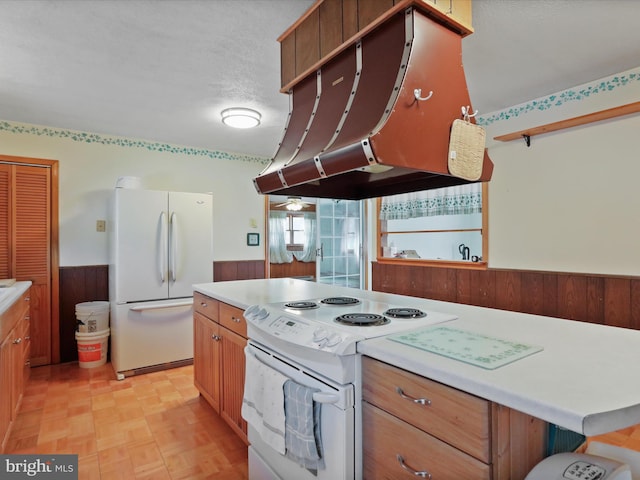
301	305
340	301
405	313
362	319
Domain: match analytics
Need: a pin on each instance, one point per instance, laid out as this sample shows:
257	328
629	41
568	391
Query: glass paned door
339	253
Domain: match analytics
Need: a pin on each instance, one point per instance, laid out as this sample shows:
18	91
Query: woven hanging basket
466	150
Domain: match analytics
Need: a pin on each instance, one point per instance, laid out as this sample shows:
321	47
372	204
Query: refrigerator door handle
162	251
173	253
143	308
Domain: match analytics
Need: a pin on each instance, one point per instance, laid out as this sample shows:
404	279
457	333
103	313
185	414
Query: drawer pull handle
237	320
217	338
203	304
17	341
421	401
423	474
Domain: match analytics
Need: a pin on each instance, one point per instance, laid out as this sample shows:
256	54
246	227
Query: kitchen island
480	406
584	379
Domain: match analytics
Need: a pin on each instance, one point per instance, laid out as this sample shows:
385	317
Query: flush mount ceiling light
241	117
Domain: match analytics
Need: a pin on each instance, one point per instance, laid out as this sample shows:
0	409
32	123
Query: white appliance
160	245
599	462
308	342
579	466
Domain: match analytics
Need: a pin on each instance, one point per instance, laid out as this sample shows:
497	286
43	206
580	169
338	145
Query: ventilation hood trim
409	139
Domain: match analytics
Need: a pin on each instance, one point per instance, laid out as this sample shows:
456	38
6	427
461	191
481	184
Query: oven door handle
322	397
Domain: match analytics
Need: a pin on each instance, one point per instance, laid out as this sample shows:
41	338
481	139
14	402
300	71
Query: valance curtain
278	252
461	199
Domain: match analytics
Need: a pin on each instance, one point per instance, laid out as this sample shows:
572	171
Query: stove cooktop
336	325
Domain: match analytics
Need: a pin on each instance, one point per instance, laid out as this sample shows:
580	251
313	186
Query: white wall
89	170
570	201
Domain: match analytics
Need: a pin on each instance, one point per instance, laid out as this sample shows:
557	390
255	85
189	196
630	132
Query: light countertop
586	378
8	295
244	293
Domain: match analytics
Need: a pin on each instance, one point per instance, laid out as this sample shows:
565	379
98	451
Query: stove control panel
301	332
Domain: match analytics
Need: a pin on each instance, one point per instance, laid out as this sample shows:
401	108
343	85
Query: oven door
337	426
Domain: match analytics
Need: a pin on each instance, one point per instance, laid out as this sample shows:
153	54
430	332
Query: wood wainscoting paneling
87	283
293	269
604	299
238	270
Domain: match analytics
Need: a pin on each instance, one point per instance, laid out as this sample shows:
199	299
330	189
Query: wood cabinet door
17	383
233	368
6	372
206	359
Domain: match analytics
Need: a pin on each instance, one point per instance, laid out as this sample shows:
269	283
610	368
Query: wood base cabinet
220	335
14	362
413	425
206	359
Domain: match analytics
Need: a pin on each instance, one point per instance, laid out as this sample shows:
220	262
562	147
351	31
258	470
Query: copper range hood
362	125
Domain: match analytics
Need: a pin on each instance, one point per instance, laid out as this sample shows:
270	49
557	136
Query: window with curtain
292	235
447	224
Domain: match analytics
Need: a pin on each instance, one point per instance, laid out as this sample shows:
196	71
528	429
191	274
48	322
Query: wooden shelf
572	122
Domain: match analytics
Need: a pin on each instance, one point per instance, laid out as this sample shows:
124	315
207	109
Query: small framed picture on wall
253	239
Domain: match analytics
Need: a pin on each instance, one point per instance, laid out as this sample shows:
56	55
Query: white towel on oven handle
263	402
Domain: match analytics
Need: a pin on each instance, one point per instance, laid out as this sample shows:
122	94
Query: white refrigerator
160	244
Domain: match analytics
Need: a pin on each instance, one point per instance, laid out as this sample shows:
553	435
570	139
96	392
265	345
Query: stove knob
255	313
319	334
251	312
333	339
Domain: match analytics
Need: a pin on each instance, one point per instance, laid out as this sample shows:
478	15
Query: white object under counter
244	293
586	378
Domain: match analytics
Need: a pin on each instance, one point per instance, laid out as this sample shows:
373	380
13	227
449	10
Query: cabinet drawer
455	417
233	319
14	314
385	437
206	306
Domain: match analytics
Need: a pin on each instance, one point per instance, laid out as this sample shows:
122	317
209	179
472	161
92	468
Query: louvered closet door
25	239
5	221
32	255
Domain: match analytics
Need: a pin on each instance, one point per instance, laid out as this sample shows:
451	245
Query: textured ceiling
162	70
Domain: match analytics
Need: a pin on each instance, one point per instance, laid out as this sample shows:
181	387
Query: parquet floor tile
625	438
153	426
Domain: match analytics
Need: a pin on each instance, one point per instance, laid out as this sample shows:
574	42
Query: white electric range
314	342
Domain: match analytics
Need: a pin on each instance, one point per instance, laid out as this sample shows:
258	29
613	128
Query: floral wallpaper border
86	137
543	103
571	95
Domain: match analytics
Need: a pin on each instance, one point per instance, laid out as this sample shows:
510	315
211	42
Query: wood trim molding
54	243
607	114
